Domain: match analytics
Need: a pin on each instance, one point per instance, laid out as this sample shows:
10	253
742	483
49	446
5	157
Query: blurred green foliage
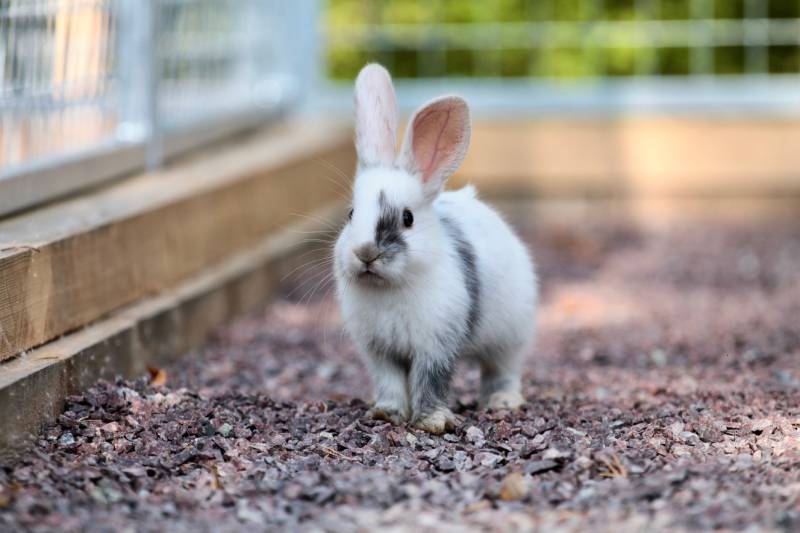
418	39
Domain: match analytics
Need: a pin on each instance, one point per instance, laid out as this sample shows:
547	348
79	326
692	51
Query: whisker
328	277
315	232
327	223
308	264
311	279
339	172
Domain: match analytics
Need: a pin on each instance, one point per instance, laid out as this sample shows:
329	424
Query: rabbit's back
507	284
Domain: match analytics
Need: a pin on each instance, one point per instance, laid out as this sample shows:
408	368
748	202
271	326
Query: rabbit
426	278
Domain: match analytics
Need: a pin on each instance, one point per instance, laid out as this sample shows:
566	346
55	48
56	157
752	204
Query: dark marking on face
388	231
469	270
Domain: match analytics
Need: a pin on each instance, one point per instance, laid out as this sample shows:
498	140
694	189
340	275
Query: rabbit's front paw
437	422
387	413
505	400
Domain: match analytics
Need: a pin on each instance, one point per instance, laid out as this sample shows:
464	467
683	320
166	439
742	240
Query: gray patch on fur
431	381
386	351
469	269
491	383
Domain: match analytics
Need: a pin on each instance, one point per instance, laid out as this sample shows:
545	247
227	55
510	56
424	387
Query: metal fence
582	54
91	89
56	76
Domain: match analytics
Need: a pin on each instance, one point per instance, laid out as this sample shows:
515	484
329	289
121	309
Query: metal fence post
139	77
155	145
304	26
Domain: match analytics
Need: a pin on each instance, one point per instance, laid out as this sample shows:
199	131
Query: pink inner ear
436	141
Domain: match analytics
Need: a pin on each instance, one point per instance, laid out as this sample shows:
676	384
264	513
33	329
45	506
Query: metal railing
587	55
93	89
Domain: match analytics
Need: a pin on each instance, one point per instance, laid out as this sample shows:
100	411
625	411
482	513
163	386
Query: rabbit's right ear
376	117
436	142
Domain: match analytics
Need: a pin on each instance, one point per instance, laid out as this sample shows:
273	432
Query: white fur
376	116
420	305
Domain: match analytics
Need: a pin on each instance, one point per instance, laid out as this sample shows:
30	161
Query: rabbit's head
393	232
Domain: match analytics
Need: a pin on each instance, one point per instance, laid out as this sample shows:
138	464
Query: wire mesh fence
76	75
214	54
80	75
57	76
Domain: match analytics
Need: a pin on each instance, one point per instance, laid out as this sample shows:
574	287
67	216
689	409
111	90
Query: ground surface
665	392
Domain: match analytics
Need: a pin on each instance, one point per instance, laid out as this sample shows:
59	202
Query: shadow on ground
664	392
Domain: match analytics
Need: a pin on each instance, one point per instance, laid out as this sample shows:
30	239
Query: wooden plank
67	265
149	332
636	156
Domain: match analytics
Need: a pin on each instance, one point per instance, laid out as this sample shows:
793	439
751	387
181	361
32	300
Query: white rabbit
425	277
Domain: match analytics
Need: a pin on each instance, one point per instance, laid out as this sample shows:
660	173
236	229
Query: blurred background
593	55
94	89
567	39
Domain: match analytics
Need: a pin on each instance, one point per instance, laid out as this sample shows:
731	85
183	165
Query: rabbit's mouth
371	277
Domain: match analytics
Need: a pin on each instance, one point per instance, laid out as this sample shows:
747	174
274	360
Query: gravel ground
664	393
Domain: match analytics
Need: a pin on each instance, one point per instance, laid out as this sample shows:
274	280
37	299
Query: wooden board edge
151	332
142	236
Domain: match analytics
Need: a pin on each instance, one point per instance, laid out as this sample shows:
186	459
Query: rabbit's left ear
436	142
376	117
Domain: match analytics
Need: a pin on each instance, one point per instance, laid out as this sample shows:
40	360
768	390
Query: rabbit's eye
350	214
408	218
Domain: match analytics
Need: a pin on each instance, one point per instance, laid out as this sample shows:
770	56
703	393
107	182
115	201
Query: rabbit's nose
367	253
